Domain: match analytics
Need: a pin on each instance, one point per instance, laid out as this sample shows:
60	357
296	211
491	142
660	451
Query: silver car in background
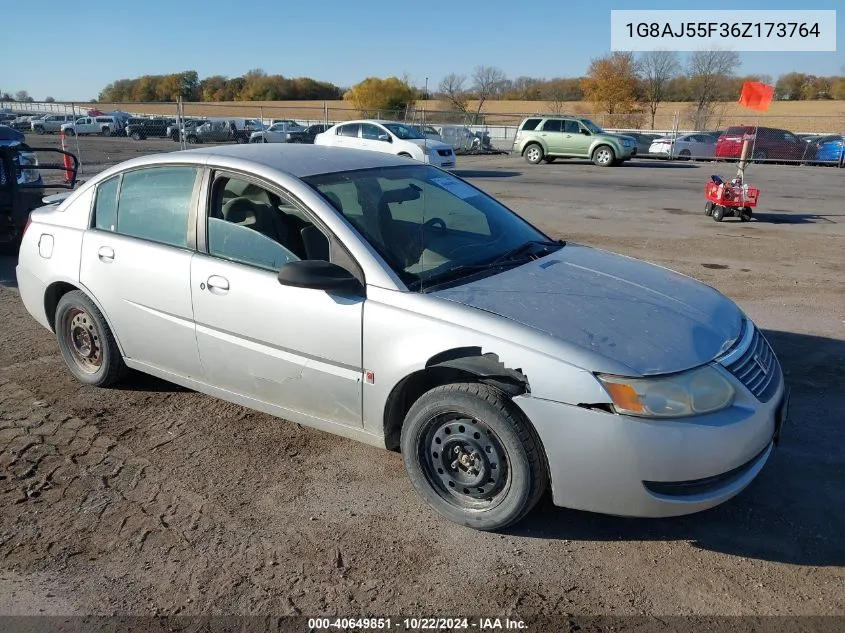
391	302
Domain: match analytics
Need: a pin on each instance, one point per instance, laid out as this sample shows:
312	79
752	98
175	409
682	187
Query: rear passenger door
136	263
551	132
348	136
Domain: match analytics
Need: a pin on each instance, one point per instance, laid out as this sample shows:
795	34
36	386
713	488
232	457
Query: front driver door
294	348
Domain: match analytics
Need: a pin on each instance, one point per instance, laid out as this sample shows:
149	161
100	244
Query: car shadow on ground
794	512
485	173
657	163
139	381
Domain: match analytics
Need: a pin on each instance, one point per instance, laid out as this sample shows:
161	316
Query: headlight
689	393
28	175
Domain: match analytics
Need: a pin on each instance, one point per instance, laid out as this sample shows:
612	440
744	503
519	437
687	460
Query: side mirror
319	275
585	131
384	137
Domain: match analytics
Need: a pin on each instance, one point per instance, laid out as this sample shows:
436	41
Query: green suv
544	138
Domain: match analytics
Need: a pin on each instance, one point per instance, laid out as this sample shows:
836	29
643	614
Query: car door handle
106	254
217	284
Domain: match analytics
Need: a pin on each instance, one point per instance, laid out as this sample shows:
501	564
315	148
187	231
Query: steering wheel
434	223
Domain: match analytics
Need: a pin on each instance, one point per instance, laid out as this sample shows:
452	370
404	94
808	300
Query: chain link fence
716	132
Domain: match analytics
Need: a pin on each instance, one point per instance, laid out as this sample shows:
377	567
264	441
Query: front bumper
614	464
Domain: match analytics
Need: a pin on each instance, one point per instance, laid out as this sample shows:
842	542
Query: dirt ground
150	499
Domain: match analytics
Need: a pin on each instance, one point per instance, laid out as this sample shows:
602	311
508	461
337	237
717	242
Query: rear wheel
87	345
70	132
472	456
39	130
745	214
533	153
105	132
603	156
136	136
760	156
708	208
685	154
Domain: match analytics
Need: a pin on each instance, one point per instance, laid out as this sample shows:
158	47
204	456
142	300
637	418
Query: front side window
592	127
154	204
428	226
371	132
250	224
404	132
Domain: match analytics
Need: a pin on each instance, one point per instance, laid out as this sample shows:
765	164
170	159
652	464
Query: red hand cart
725	199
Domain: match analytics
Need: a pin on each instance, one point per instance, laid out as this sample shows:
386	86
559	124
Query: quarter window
105	206
530	124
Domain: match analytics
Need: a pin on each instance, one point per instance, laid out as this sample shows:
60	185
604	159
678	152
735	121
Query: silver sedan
391	302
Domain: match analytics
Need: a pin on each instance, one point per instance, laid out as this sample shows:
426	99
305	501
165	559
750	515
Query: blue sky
79	50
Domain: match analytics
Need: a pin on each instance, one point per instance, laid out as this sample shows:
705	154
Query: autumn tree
656	69
611	83
375	95
707	71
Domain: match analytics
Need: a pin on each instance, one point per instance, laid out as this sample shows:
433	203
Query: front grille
756	367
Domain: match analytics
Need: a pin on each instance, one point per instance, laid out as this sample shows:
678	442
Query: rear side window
530	124
105	205
553	125
348	130
152	204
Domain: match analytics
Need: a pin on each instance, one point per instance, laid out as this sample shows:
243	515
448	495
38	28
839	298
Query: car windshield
404	132
595	129
429	226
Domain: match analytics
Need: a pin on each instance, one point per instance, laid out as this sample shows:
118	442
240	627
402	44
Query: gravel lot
153	499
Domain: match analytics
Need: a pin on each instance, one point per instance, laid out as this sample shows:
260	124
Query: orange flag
756	95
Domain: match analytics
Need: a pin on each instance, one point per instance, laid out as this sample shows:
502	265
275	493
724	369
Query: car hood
643	316
428	143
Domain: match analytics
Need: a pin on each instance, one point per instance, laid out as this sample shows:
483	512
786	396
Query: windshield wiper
516	254
508	258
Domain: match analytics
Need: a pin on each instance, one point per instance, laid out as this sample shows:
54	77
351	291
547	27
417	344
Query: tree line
255	85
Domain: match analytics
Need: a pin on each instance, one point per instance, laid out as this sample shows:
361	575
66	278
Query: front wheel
87	345
603	156
718	213
70	132
472	456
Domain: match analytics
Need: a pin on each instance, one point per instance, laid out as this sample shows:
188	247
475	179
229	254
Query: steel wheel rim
84	341
464	462
603	156
533	154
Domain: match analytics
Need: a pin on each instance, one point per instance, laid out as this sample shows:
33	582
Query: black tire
39	129
499	470
191	139
70	132
718	213
533	153
708	208
745	214
136	136
405	154
760	156
105	132
87	344
685	154
604	156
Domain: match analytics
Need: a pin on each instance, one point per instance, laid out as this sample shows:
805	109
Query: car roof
298	160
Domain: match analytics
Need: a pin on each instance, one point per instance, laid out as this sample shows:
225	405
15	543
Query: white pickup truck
103	125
